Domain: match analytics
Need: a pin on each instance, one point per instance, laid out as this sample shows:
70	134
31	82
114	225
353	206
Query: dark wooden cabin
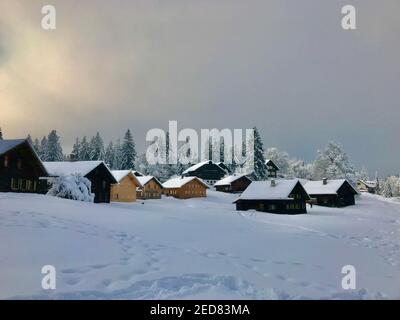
225	167
20	167
275	196
331	193
272	168
208	171
233	183
96	171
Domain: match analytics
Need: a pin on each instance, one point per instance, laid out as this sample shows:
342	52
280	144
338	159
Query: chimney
324	181
273	183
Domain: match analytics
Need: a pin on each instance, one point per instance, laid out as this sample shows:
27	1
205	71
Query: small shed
233	184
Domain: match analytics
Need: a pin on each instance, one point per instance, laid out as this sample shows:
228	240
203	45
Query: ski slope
196	249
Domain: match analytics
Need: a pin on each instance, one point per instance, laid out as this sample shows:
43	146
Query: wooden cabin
272	168
331	193
125	189
185	188
20	167
151	188
366	186
225	167
233	184
274	196
97	172
208	171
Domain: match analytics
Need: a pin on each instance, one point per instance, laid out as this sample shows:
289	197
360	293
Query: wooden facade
208	171
292	203
20	168
185	188
341	194
150	188
225	167
232	184
366	186
125	189
272	168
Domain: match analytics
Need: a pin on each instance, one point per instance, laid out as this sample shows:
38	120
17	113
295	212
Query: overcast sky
285	66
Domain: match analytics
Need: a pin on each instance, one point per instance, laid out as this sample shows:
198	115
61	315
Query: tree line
332	162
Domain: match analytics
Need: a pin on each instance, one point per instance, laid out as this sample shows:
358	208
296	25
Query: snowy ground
198	248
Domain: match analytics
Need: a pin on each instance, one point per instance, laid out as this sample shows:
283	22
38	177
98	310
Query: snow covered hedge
74	187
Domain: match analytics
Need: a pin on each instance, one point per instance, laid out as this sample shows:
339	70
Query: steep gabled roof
10	144
64	168
199	165
264	190
179	182
146	179
229	179
119	175
269	161
331	186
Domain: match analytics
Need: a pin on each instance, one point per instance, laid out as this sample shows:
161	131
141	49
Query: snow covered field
197	248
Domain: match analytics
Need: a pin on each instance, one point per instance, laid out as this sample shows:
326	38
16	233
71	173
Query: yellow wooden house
185	187
151	188
125	189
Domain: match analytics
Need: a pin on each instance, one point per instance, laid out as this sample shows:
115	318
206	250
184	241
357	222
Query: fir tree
84	150
29	138
1	134
53	149
109	156
76	150
36	146
260	168
96	148
43	148
128	152
117	155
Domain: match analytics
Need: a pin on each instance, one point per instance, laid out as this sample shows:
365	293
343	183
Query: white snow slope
196	249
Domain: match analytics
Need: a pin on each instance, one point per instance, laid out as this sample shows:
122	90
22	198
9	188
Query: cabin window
14	184
6	161
104	184
28	185
272	207
19	164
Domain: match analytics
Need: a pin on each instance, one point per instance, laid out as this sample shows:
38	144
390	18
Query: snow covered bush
74	187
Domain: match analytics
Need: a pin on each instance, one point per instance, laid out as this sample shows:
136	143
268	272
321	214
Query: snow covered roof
228	180
264	190
58	168
179	182
331	186
368	183
146	179
121	174
137	173
6	145
199	165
